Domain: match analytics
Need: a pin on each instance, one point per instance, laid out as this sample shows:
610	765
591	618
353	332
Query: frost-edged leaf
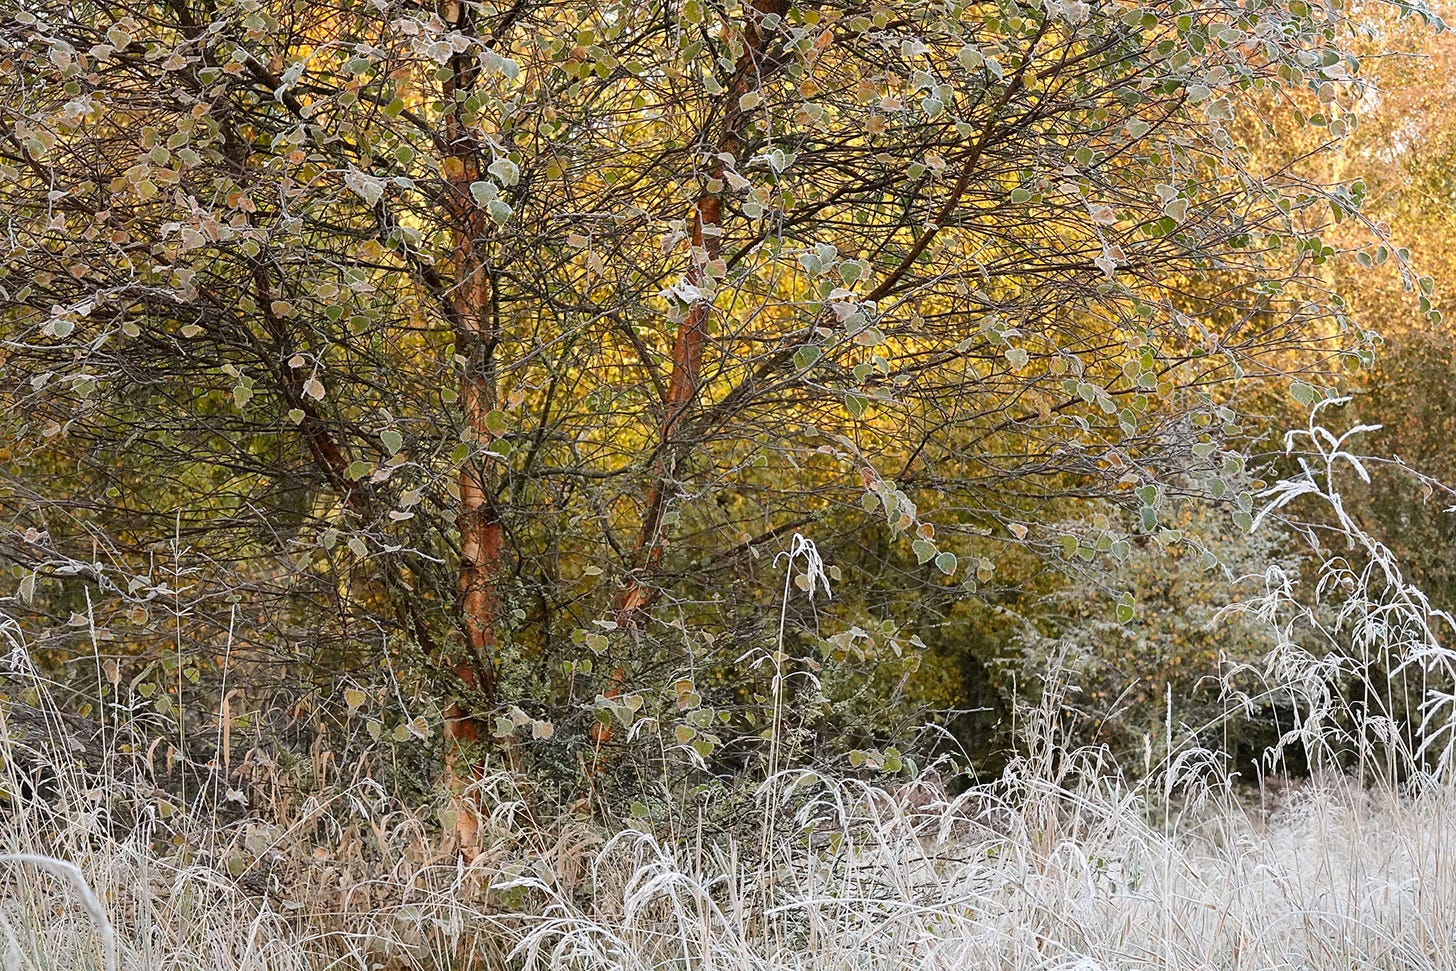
484	193
366	187
506	171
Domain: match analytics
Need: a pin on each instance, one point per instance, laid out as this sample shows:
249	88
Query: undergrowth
1064	861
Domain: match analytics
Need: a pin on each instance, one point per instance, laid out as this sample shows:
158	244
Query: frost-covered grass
1027	873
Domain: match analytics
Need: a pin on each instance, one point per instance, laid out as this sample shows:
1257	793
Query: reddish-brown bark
478	517
752	69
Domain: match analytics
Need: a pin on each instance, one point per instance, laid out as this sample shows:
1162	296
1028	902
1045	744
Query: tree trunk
752	69
478	517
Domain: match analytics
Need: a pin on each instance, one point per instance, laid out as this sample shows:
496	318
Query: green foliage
1132	674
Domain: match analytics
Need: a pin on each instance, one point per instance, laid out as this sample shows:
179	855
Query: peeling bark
752	69
478	518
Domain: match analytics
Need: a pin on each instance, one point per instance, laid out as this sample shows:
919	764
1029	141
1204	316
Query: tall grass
1083	871
1063	862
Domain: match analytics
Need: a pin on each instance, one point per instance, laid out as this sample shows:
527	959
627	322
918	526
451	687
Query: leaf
366	187
505	170
484	193
946	562
1303	393
1017	530
855	405
1126	608
314	388
924	551
497	422
805	356
1017	357
354	698
393	440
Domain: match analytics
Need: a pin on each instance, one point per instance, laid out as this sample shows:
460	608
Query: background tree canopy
458	372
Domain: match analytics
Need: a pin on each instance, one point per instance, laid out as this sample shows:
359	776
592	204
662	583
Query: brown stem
753	67
478	517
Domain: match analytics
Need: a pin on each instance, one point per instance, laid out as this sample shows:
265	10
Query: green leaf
484	193
497	422
1126	608
393	440
505	170
805	356
945	562
855	405
924	551
1303	393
